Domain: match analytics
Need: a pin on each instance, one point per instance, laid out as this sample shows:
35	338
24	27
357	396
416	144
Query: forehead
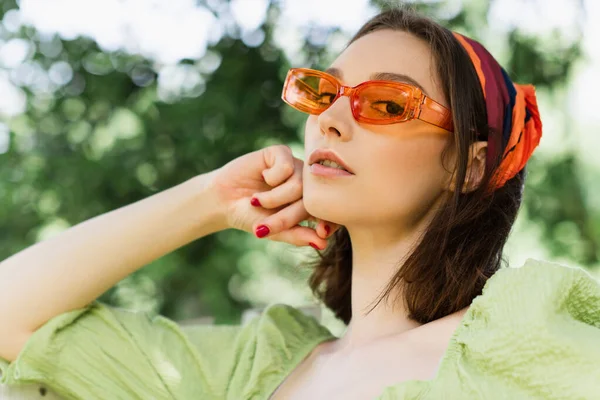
389	51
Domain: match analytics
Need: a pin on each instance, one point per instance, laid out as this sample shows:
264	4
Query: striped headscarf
512	113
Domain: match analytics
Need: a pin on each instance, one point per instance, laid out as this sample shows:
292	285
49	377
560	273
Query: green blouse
534	333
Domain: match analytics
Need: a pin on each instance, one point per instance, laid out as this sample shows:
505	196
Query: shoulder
534	330
545	273
539	298
158	357
292	318
541	289
285	326
271	344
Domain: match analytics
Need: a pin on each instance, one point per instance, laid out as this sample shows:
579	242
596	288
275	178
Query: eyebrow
385	76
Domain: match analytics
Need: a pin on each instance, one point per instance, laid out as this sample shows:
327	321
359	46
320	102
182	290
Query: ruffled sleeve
534	333
100	352
283	337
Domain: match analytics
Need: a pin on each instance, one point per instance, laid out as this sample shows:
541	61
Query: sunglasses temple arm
434	113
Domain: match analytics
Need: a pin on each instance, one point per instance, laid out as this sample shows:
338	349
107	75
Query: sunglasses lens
382	102
309	93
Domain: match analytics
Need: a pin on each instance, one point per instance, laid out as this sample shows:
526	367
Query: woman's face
398	171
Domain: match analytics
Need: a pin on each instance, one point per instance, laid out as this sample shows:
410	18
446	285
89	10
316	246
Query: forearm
75	267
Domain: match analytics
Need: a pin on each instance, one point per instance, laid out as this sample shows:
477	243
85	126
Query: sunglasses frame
418	106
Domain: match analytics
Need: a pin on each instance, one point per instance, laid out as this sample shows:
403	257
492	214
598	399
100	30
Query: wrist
209	215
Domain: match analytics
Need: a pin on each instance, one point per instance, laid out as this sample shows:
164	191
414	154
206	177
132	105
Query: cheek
311	133
401	179
407	163
399	176
316	199
410	174
396	181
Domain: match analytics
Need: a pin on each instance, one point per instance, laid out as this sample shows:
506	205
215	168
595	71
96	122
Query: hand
261	193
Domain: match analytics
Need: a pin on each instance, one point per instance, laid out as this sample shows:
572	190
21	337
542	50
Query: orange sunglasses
372	102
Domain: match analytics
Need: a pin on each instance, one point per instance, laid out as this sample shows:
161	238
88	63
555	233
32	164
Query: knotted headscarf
512	113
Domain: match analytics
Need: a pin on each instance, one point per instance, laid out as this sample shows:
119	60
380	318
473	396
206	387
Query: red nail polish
254	201
314	246
327	229
262	231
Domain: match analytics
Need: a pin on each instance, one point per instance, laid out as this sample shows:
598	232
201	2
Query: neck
377	254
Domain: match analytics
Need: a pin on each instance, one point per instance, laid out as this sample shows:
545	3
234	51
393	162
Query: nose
337	120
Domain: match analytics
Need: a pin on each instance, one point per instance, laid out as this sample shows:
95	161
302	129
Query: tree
107	138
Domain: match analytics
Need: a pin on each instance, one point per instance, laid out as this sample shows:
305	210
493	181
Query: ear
475	167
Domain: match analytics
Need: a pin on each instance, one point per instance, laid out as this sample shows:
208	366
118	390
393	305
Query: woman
414	171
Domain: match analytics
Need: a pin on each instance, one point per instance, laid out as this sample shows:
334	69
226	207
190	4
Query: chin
325	206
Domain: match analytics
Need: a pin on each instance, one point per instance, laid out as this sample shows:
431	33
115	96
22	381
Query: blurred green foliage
106	139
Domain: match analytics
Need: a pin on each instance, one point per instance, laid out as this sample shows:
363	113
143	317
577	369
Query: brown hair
462	246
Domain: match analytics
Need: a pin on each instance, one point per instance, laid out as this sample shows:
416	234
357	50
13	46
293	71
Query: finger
283	226
280	164
286	193
286	218
325	228
301	236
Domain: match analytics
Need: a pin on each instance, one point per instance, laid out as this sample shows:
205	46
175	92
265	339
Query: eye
388	107
326	97
327	92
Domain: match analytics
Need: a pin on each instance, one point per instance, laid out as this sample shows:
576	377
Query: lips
327	154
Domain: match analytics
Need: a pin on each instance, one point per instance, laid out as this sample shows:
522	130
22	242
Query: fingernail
254	201
262	231
327	229
314	246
